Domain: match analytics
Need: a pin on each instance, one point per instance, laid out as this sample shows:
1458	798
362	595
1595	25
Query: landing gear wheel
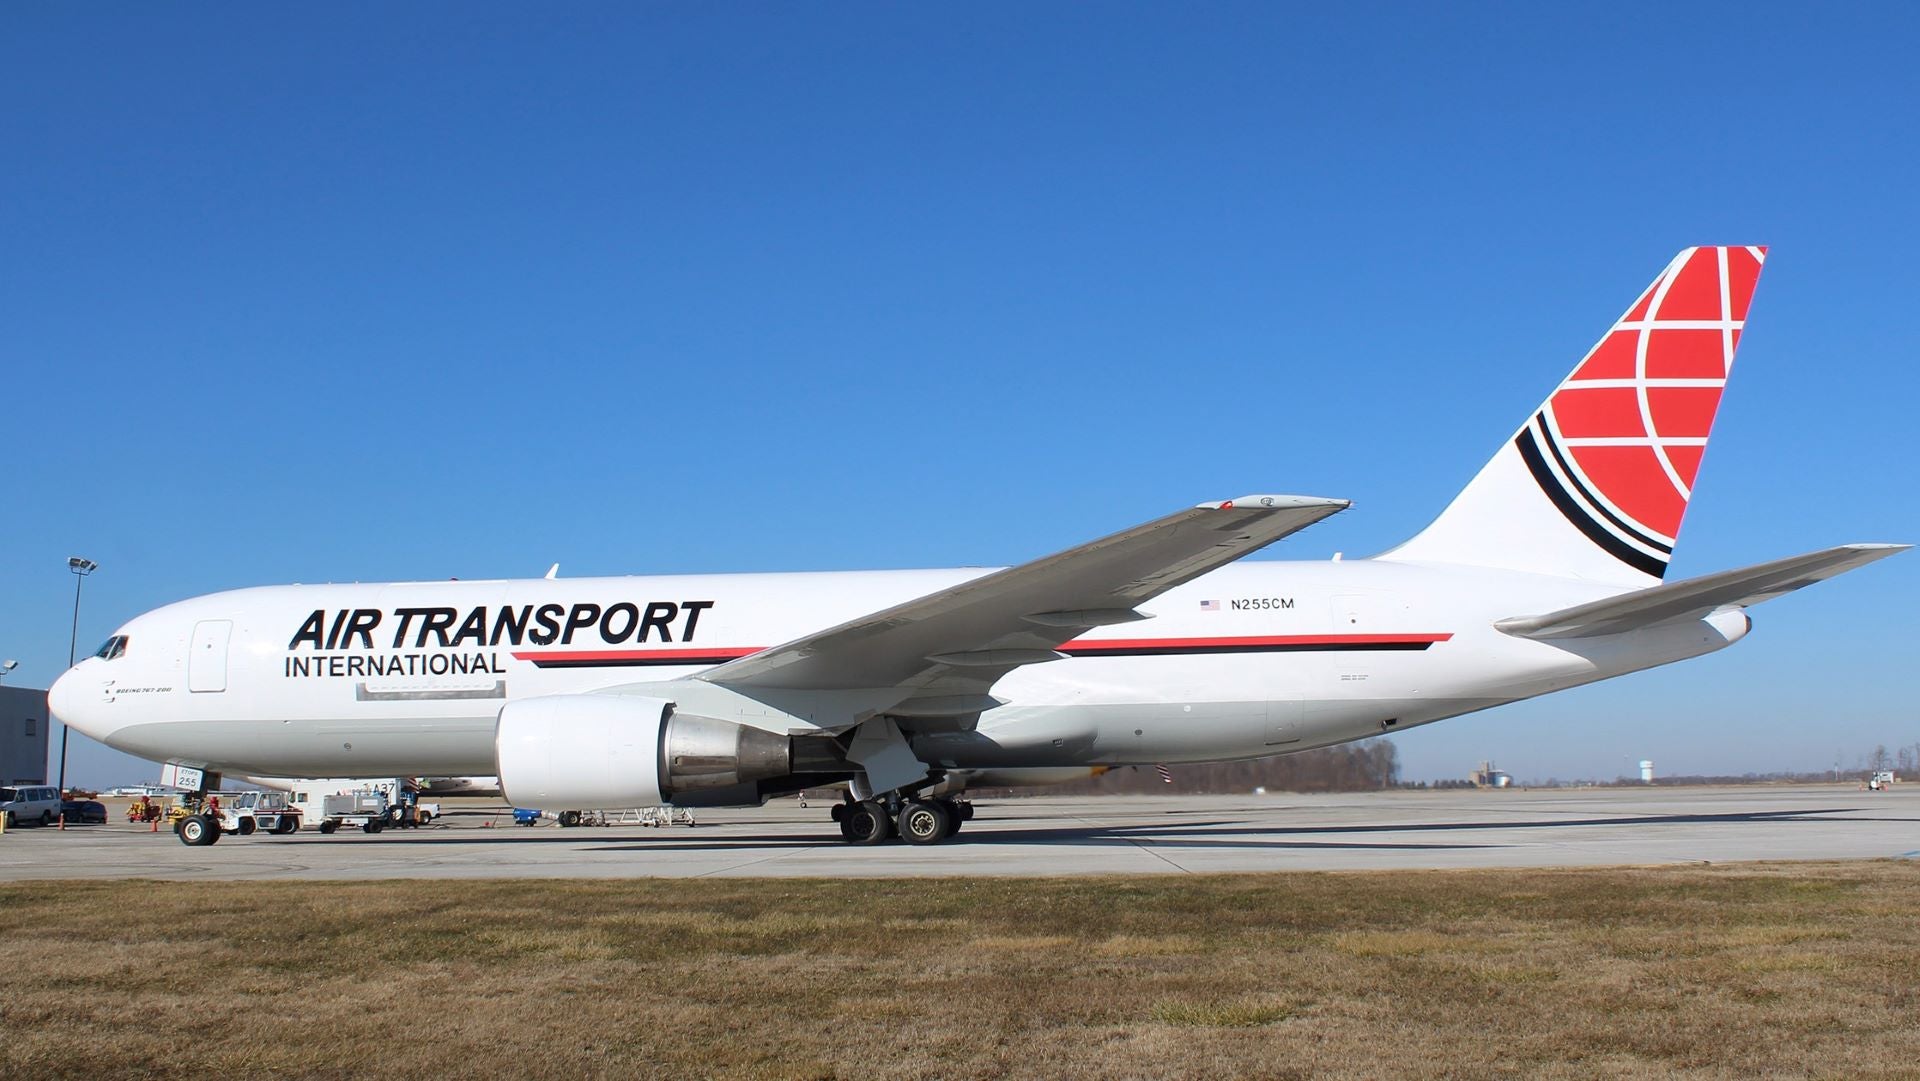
924	823
866	823
956	814
247	826
569	818
199	830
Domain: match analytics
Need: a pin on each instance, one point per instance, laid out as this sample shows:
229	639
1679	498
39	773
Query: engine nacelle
586	751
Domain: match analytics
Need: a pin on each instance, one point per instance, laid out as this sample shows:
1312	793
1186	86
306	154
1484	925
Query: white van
30	803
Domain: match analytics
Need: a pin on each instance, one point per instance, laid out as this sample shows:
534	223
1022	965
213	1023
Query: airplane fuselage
1250	660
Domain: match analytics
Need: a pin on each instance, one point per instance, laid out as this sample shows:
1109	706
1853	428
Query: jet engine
590	751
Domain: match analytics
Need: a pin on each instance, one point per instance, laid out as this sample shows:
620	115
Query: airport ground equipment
146	809
405	811
400	796
366	808
526	816
667	816
250	812
1880	781
630	816
199	817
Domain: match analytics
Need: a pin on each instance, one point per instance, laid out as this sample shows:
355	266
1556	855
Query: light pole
6	669
80	568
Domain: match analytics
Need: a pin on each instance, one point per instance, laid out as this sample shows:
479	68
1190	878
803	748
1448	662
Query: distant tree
1349	767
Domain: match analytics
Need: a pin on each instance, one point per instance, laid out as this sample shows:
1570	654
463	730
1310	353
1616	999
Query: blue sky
365	292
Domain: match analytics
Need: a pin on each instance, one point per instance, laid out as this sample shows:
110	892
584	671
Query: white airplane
1153	645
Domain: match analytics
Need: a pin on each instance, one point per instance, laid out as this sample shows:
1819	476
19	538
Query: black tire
425	819
569	818
375	825
248	826
48	818
287	824
923	822
199	831
955	815
329	827
867	823
10	820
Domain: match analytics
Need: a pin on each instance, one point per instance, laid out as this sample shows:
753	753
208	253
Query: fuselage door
207	657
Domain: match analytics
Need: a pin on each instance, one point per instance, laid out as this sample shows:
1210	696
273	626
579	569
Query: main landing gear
914	820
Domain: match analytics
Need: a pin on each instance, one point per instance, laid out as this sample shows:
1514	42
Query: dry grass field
1768	970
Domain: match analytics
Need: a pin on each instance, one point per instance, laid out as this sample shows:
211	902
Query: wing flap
1697	597
960	640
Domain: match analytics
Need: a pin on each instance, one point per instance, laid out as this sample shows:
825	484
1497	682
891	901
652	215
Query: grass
1786	971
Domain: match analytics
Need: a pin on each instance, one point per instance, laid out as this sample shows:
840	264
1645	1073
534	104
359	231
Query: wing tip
1275	502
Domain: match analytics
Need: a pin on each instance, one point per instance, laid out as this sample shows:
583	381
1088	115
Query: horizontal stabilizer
1696	597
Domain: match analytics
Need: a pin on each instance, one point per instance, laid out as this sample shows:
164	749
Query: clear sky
373	291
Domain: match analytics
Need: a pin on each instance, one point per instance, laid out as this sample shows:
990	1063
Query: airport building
23	736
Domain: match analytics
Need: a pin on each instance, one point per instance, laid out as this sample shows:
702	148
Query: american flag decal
1209	606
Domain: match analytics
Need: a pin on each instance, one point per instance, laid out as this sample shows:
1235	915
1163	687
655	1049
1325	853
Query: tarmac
1043	836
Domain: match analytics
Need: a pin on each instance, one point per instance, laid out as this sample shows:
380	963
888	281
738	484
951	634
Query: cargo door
207	657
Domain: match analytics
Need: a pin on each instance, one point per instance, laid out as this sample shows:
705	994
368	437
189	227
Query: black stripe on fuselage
1089	650
1290	647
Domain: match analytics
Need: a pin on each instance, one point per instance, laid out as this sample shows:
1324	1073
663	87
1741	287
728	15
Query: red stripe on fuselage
591	658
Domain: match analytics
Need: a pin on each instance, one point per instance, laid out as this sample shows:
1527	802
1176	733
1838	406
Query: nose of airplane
75	700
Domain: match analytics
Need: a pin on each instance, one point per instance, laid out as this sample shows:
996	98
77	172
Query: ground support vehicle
366	809
146	809
247	812
405	811
200	818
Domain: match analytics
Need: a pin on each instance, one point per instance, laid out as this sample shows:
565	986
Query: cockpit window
112	647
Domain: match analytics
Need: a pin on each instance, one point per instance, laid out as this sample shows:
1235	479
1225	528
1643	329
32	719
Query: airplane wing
1697	597
959	641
